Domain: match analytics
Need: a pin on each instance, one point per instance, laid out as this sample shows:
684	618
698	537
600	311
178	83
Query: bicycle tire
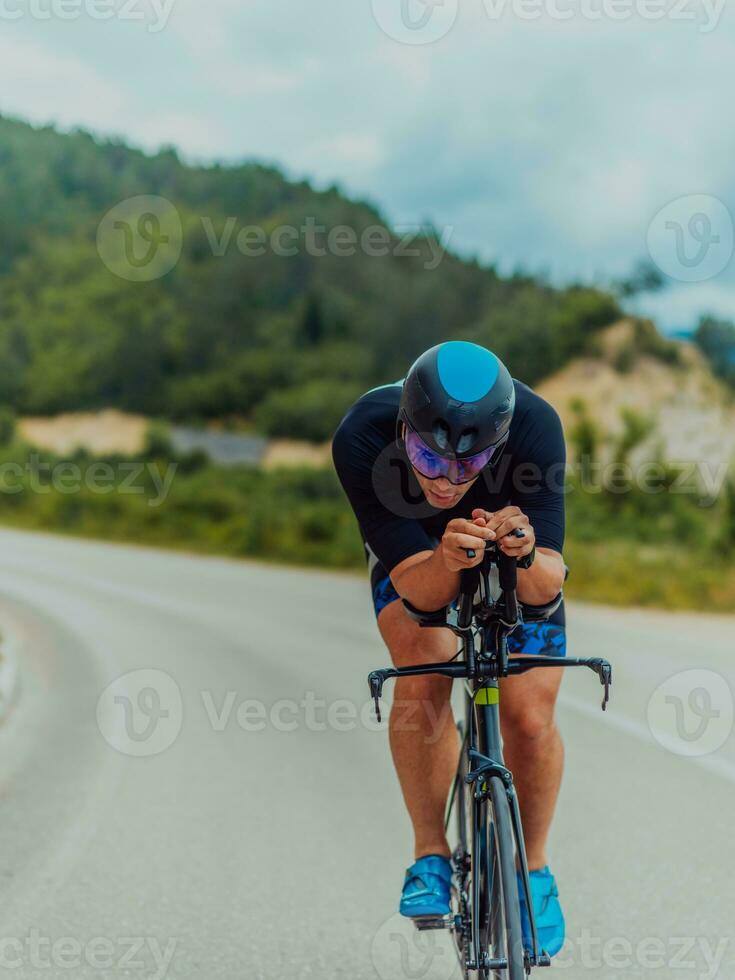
461	802
499	915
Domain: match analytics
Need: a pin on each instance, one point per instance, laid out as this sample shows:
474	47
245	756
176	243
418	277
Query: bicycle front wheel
499	914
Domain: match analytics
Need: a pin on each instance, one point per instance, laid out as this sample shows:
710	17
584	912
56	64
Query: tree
7	425
586	437
716	339
646	277
227	332
636	429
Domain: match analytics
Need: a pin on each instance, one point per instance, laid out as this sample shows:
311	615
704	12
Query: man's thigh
410	644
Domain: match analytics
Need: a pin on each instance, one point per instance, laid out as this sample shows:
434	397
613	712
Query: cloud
542	143
43	87
194	135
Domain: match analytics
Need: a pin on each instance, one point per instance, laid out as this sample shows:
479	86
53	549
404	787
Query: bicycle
485	917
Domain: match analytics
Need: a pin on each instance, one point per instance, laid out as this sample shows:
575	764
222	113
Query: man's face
441	493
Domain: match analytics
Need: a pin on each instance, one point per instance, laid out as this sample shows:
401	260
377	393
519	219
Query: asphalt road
228	809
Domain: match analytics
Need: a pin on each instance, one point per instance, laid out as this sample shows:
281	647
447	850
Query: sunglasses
432	465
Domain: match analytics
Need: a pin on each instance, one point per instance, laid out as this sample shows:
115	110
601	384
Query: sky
567	137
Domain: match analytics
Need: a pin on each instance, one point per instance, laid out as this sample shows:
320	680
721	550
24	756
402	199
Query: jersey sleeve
538	477
393	537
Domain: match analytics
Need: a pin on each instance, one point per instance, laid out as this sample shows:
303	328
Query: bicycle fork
487	760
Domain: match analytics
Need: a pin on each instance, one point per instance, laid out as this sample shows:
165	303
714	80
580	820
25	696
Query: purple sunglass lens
432	466
468	469
424	459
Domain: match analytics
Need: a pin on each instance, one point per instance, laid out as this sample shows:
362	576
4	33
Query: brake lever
376	681
517	533
604	671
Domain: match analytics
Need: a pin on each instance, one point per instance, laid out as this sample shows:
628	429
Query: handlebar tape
507	572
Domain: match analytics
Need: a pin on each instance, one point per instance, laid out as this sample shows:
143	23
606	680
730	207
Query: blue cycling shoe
426	888
547	911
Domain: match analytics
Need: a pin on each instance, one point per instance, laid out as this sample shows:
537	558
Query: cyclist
457	454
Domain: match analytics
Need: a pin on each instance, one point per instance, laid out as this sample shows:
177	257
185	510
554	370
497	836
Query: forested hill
285	339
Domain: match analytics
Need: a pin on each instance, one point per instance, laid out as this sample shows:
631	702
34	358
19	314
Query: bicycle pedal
426	922
543	959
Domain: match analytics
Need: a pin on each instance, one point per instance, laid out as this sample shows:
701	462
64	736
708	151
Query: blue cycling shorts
547	639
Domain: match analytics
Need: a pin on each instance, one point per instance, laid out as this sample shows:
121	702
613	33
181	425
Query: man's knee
427	688
530	722
422	704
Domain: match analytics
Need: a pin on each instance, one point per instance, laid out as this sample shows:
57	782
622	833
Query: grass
665	551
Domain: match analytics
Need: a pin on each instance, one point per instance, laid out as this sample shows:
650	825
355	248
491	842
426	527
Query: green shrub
646	548
158	443
312	411
648	341
625	359
7	425
586	437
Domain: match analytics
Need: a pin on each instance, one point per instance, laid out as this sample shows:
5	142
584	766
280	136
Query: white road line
715	764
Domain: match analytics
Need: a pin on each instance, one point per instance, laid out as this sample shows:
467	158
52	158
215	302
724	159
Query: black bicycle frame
483	668
485	754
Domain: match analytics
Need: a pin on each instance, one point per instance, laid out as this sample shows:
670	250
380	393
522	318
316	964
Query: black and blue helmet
459	397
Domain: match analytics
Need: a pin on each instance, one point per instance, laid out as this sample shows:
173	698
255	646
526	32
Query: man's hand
501	523
461	534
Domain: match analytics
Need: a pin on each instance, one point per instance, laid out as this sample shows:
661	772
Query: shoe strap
432	864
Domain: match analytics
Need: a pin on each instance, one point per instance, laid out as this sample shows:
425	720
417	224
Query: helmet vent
441	433
466	440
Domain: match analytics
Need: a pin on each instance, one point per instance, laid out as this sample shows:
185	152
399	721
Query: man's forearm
428	584
543	581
